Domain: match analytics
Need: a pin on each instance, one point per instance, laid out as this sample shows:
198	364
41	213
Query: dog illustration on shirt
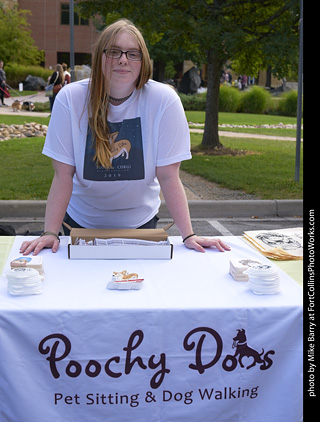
119	148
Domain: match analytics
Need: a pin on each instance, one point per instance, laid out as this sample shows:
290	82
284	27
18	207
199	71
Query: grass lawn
20	120
250	120
268	172
25	172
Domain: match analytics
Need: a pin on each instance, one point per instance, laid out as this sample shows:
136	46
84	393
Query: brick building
49	24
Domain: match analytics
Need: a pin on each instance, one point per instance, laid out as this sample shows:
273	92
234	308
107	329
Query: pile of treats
281	245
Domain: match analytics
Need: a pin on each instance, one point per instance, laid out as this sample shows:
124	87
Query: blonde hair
99	84
59	69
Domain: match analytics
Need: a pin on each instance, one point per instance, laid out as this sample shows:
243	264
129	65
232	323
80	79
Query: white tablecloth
80	352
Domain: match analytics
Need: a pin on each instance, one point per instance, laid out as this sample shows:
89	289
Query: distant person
229	78
2	83
57	79
67	76
244	80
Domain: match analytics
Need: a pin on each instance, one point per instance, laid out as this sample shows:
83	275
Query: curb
242	208
13	209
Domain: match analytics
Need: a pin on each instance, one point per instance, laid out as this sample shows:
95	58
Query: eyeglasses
114	53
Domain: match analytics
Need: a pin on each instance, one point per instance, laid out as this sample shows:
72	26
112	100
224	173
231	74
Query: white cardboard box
76	251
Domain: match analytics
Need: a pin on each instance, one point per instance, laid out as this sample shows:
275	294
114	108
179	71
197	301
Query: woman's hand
56	207
176	200
200	243
36	245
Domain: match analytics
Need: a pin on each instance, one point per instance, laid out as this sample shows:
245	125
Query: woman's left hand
200	243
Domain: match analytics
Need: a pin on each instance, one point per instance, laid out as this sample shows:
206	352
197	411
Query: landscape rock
28	130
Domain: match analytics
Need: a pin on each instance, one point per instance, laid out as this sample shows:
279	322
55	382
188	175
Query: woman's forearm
177	204
175	198
57	203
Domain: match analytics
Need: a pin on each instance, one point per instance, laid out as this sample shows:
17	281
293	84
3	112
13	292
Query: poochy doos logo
230	362
198	341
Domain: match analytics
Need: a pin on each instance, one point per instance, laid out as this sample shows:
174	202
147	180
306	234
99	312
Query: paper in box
131	251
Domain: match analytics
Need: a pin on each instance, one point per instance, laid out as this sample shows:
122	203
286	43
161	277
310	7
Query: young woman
116	139
57	79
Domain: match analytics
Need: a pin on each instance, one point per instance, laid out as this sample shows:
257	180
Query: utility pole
71	25
300	91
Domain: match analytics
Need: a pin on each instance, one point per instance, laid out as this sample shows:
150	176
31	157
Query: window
64	20
79	58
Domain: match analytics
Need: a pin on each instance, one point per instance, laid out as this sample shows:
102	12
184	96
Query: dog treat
263	279
24	281
35	262
125	281
238	268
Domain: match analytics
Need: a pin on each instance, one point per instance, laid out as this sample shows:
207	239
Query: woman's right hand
42	242
57	203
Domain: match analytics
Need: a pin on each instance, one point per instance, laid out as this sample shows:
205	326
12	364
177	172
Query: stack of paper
239	267
263	280
281	245
24	281
121	241
35	262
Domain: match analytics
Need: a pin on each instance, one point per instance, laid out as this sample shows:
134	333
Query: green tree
254	33
17	45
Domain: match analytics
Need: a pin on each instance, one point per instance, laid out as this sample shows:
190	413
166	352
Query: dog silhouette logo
243	350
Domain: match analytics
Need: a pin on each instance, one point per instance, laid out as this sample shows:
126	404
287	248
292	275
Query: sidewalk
35	98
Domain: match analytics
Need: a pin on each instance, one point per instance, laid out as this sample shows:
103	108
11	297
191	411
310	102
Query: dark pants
3	87
152	224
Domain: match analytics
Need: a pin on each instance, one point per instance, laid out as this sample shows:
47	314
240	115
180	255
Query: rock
34	83
190	82
27	130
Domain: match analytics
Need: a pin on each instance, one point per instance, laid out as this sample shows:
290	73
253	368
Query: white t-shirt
148	130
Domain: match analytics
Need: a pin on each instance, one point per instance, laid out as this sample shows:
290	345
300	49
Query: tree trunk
268	77
211	135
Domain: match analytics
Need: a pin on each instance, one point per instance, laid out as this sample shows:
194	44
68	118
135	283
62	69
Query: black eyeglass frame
123	52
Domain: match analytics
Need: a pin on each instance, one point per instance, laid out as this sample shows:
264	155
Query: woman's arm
177	204
53	77
57	203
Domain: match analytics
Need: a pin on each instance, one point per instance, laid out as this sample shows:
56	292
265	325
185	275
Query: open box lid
155	235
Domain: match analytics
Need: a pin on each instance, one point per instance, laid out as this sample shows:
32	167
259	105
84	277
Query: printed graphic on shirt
126	153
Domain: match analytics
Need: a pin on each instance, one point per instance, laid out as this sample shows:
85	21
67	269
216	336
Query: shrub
17	73
288	104
256	100
229	99
195	102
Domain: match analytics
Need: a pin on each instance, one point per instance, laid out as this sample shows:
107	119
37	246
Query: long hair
59	69
99	86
